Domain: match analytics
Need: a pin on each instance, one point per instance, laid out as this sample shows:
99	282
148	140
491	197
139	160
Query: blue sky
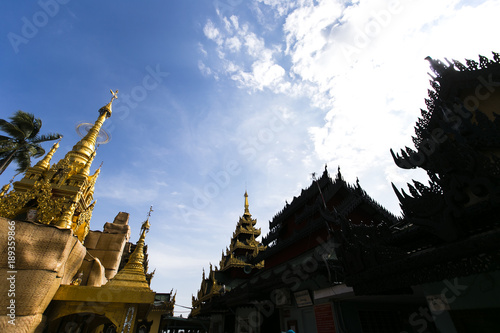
219	97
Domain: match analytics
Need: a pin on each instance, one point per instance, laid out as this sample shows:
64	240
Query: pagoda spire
45	162
6	187
243	244
133	274
247	212
60	194
82	151
86	170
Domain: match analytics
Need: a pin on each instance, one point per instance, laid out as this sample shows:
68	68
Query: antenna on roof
319	188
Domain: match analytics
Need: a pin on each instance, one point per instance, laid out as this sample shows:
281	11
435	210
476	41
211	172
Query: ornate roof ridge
440	69
324	181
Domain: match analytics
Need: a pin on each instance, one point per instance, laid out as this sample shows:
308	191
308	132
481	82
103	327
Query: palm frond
4	138
26	122
46	137
35	150
23	141
12	130
22	159
8	147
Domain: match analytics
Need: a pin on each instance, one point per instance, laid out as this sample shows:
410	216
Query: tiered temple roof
450	225
209	289
244	245
236	263
306	221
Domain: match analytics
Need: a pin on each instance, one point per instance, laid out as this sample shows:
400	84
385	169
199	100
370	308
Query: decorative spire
133	275
247	212
66	219
106	109
136	259
45	162
86	170
6	187
83	150
61	193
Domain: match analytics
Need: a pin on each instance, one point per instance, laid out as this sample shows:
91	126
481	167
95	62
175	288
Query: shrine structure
67	277
337	261
447	241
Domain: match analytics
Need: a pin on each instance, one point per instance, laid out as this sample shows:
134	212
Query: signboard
303	298
324	318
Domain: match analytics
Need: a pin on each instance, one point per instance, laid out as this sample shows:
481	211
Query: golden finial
107	108
6	187
86	169
247	212
146	225
98	171
44	163
133	274
114	94
82	151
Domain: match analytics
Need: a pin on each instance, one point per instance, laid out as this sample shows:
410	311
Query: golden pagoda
69	278
235	264
124	301
244	246
133	275
61	194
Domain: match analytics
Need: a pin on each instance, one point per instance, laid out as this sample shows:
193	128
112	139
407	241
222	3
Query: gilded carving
60	194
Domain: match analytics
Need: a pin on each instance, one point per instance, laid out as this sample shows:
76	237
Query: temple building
447	241
65	277
337	261
209	289
294	274
334	260
236	265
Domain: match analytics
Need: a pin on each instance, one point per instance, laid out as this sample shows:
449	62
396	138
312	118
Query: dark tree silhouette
22	141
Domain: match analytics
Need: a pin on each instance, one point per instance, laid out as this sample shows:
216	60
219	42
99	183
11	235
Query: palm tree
23	141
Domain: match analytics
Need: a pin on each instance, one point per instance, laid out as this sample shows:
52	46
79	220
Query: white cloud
280	6
234	20
233	44
211	32
362	64
204	69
